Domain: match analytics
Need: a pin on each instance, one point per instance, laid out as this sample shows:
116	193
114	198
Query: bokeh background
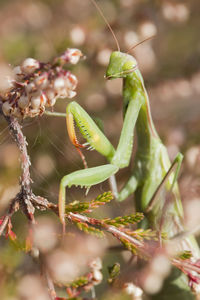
170	64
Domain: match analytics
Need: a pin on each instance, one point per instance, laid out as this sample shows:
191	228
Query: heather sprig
86	282
83	207
125	220
119	227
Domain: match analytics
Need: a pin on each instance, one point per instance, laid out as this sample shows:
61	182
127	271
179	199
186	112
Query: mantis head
120	65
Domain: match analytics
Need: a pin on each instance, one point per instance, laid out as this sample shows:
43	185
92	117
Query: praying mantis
151	162
152	168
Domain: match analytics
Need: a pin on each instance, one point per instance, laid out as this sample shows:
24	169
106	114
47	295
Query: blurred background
170	64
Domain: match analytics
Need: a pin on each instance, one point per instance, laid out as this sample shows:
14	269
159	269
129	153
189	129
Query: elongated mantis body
151	162
150	166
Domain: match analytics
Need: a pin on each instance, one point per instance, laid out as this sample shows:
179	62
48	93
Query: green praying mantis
151	162
152	168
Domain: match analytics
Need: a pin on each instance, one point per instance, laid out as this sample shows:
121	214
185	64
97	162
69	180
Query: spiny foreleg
84	178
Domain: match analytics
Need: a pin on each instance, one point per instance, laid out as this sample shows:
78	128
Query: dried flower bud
71	81
23	102
36	85
75	56
97	276
6	79
51	97
17	71
60	87
72	56
29	65
65	84
59	84
43	99
38	100
7	108
42	81
30	87
35	100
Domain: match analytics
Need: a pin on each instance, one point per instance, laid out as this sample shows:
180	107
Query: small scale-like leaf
81	207
77	207
125	220
89	229
102	199
105	197
129	245
142	234
79	282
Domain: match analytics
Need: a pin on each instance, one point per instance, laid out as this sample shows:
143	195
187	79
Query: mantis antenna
134	46
104	18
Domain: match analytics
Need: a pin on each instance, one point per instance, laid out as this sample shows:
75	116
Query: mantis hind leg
128	189
176	163
84	178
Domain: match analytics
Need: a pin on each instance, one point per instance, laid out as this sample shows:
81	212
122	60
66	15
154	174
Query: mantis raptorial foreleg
123	153
73	138
88	128
97	140
84	178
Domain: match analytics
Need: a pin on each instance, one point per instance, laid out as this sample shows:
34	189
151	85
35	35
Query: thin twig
54	114
118	233
25	199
